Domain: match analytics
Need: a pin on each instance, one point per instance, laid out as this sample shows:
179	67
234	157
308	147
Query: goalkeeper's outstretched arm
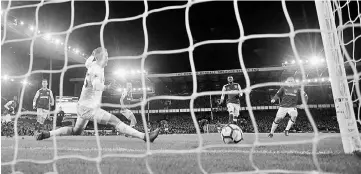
89	62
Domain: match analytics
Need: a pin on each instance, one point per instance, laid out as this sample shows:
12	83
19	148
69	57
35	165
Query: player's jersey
43	101
232	98
127	97
289	96
89	97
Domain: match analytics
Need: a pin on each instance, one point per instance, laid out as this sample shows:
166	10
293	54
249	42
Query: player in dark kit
42	100
60	117
289	95
233	103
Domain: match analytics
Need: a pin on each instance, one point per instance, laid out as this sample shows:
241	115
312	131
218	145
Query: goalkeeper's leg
102	117
80	125
293	113
281	113
110	119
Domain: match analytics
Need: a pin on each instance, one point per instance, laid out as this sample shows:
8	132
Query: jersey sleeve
279	94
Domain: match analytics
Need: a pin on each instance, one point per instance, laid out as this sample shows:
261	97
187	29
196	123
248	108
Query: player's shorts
282	112
42	115
234	108
130	116
98	114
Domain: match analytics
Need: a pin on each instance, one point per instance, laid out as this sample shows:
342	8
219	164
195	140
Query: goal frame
341	93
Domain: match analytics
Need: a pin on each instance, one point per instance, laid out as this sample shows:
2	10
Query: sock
123	128
230	118
62	131
289	125
274	127
235	119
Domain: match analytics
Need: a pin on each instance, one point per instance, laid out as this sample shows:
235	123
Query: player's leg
39	119
103	117
80	125
281	113
130	116
237	108
293	114
231	113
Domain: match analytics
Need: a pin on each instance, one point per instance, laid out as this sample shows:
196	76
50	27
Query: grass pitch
177	154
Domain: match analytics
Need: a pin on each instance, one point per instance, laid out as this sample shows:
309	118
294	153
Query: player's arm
89	61
223	93
278	95
6	106
306	99
122	98
240	90
51	98
98	85
35	98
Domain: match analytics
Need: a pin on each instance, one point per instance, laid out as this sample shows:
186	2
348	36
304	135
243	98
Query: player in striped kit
233	103
126	99
289	96
88	107
42	101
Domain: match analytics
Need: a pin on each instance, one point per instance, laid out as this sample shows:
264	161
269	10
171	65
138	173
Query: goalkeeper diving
289	95
88	107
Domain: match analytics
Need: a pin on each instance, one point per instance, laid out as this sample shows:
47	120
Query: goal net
340	27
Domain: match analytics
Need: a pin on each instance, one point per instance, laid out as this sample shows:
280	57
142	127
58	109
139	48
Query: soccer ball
231	133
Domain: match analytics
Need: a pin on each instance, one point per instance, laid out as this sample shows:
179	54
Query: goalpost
332	43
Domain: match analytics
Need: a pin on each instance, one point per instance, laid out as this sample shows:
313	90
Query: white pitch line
175	151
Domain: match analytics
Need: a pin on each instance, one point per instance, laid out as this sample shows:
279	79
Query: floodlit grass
178	154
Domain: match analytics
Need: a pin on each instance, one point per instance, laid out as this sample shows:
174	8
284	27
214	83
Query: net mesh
340	7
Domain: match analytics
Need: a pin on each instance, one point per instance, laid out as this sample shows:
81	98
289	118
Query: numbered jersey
43	101
89	97
232	98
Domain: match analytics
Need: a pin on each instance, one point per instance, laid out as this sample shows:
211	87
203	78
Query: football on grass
231	134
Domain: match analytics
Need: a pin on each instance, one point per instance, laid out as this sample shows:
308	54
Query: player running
289	96
88	107
126	99
233	103
42	101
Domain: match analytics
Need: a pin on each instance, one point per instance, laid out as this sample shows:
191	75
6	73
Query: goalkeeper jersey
289	95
